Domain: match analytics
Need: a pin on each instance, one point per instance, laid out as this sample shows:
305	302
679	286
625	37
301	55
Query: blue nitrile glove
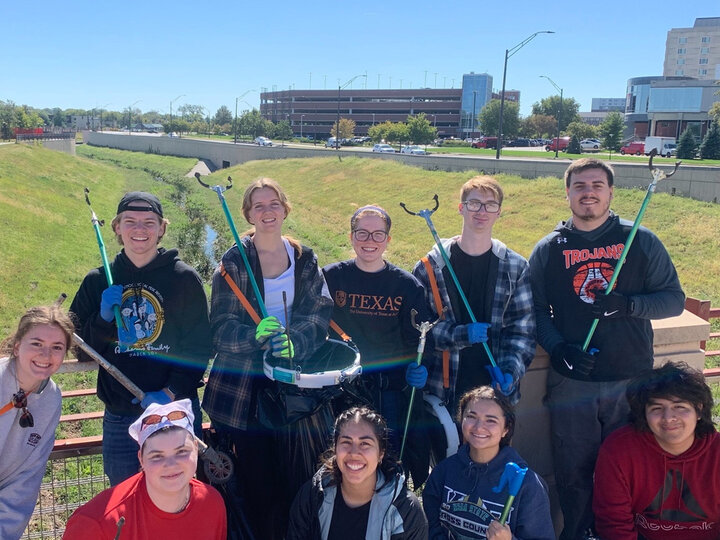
416	375
267	328
502	381
159	396
512	478
112	296
281	346
611	306
477	332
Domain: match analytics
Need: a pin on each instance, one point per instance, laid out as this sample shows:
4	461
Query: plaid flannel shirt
512	323
239	357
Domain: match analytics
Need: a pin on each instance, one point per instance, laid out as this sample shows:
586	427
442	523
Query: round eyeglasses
19	401
361	235
473	205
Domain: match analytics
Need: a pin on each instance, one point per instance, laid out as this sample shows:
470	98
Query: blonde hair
482	183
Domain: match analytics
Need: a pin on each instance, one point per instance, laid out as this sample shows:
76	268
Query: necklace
185	503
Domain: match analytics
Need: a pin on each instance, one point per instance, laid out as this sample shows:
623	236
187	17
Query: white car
384	148
263	141
590	144
414	150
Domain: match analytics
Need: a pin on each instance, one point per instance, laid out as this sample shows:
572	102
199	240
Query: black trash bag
238	527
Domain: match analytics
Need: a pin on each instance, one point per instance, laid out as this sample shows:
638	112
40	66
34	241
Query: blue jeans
120	450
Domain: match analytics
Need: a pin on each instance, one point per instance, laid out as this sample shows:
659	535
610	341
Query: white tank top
274	289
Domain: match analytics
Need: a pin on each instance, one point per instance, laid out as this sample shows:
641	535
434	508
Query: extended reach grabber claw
426	215
657	175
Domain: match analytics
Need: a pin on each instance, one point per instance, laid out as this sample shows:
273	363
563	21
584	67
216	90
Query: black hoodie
165	309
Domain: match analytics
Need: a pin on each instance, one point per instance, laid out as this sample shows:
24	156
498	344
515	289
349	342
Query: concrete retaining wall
696	182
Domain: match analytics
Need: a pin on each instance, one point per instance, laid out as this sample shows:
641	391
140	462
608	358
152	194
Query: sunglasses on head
152	419
19	401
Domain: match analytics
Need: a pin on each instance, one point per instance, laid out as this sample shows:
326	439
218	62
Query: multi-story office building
607	104
667	106
476	93
694	52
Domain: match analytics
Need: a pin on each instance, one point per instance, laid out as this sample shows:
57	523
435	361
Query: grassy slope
48	244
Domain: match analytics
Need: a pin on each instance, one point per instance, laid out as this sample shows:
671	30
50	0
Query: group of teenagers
636	455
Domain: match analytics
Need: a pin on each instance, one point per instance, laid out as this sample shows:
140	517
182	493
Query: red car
485	142
637	148
559	144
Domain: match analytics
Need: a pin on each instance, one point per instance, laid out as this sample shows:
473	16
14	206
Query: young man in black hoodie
569	271
164	343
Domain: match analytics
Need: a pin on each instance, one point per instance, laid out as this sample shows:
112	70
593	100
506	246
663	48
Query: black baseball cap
134	200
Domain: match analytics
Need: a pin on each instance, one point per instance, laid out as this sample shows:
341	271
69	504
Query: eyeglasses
361	235
19	401
473	205
152	419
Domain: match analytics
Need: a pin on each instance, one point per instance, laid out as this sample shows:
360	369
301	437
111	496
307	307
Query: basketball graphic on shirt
591	277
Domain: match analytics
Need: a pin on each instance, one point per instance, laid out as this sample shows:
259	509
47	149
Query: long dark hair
674	379
388	464
488	393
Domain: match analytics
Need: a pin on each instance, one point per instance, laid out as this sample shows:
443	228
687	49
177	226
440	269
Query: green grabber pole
657	175
425	214
220	190
106	265
424	327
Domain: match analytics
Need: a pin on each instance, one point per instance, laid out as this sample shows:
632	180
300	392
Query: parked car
263	141
331	142
520	143
637	148
590	144
414	150
662	145
485	142
560	144
384	148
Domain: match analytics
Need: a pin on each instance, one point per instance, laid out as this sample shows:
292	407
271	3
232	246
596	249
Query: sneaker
590	535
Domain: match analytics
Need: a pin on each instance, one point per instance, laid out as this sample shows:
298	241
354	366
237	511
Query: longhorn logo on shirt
591	278
340	298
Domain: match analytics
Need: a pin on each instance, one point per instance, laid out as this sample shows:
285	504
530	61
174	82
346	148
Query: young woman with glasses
29	410
373	302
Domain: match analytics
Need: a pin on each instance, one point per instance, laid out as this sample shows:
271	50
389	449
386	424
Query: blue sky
82	54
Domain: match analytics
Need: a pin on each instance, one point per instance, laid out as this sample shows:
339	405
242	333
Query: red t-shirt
204	517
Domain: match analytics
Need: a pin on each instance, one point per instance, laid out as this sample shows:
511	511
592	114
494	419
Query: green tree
347	129
490	114
283	130
686	145
710	146
379	132
714	111
550	106
574	146
420	131
223	116
253	124
398	133
611	131
191	113
539	125
582	130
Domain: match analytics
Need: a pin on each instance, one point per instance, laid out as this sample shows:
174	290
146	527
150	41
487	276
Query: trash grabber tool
220	190
97	223
657	175
218	466
424	327
425	214
512	477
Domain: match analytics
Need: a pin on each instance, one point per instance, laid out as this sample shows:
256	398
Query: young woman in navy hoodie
659	478
459	500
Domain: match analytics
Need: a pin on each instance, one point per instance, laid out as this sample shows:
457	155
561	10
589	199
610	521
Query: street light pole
171	102
130	116
508	54
337	124
236	104
557	141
